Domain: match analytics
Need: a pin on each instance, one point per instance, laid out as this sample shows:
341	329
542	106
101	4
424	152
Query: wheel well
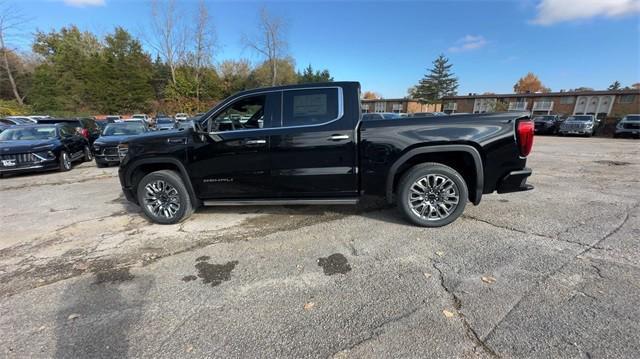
462	162
146	168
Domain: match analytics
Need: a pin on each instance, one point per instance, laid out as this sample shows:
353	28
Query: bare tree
10	20
204	42
270	43
169	35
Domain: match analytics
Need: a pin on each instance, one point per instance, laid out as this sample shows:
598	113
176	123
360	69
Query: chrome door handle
256	142
339	137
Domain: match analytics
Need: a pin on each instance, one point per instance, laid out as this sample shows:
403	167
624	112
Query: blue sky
388	46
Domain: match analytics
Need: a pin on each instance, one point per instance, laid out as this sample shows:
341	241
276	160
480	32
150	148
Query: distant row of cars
585	125
40	143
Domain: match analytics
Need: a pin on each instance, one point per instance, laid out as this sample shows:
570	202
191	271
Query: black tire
64	161
88	155
428	169
185	207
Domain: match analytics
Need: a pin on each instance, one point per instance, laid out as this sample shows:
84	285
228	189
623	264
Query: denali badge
214	180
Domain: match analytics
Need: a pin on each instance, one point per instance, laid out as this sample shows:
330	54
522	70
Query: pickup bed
307	144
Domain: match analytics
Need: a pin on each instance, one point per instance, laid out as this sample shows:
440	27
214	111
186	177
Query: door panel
316	160
235	163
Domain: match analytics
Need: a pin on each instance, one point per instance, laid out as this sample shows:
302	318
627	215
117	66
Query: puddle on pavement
113	276
334	264
213	274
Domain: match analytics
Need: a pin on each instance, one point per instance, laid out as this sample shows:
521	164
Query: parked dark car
579	125
3	127
427	114
629	126
16	121
547	124
105	148
165	123
85	126
379	116
41	147
306	144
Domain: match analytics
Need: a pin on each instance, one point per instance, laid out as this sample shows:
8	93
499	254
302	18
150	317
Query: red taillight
525	136
85	133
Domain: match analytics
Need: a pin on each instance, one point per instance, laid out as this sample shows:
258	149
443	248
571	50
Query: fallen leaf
189	349
440	253
309	306
73	316
488	279
448	314
428	275
42	328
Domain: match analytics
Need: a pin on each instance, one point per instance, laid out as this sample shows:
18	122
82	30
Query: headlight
619	125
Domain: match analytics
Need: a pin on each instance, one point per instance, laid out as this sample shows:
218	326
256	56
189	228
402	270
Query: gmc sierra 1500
306	144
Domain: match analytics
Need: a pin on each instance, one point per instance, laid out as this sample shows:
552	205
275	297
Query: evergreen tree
616	85
439	82
310	76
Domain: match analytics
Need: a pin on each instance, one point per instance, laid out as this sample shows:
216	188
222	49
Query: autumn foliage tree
530	83
370	95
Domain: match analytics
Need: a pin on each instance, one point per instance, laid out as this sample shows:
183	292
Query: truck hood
23	146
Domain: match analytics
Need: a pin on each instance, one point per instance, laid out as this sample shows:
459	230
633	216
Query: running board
278	202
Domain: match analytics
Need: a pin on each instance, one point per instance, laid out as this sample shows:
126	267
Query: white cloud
468	43
83	3
555	11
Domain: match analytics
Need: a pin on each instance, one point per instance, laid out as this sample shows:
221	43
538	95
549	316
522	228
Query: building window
626	98
397	107
365	107
567	100
380	107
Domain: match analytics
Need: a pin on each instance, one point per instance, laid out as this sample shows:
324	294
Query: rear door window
309	107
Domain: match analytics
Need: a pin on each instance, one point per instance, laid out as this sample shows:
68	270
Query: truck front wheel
164	197
432	194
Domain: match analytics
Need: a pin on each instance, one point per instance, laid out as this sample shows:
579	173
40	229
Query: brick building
604	104
397	105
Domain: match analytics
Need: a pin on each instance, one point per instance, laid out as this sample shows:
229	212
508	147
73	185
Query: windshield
112	118
632	118
579	118
28	134
123	129
164	121
389	116
138	116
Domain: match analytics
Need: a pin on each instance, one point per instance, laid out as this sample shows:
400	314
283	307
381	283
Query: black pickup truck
306	144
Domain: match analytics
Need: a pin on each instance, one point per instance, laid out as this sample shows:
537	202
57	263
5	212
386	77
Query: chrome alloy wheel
433	197
66	161
161	199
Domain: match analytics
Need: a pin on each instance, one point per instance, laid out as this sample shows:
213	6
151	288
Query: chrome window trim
226	103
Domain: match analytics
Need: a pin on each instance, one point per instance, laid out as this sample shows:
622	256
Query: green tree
437	83
310	76
61	82
234	76
285	68
125	75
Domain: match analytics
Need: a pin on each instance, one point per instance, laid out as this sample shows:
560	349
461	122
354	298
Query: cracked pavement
82	274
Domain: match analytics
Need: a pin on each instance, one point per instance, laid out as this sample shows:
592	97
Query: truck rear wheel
164	198
432	194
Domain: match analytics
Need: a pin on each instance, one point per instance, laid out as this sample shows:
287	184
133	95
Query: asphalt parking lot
553	272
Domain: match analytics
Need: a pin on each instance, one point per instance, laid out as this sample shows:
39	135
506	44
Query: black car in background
546	124
379	116
86	126
105	148
41	147
15	121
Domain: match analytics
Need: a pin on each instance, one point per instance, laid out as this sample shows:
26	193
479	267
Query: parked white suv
181	116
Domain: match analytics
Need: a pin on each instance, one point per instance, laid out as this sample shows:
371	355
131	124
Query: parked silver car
628	126
579	125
